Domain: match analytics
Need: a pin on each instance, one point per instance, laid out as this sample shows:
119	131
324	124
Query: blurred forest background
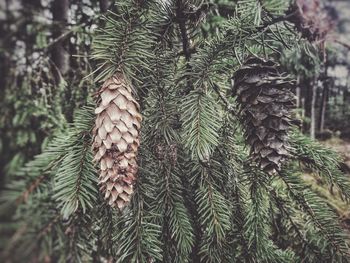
46	74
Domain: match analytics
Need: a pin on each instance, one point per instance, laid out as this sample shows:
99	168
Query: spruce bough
192	194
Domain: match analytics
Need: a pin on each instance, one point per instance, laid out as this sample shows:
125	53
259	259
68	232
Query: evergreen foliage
198	197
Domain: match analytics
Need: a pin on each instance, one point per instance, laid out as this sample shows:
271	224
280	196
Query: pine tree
192	194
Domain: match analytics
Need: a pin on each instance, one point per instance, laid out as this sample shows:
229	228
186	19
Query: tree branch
276	20
181	18
346	45
228	105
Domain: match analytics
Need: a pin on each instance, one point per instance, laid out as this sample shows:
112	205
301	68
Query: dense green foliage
198	197
37	98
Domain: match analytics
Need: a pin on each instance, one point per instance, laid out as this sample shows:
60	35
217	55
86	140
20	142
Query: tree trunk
104	6
306	93
5	67
313	109
324	100
299	102
298	94
323	107
31	8
346	95
309	87
5	44
59	54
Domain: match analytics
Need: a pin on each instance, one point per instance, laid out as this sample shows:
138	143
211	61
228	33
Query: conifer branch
214	213
257	221
196	197
323	217
280	202
322	160
181	18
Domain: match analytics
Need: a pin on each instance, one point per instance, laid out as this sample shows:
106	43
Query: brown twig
346	45
181	18
13	241
24	196
48	227
228	105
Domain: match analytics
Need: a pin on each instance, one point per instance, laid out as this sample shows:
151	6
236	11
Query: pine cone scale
116	140
265	99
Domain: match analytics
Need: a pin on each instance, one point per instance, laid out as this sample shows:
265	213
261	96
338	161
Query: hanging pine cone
265	100
116	140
